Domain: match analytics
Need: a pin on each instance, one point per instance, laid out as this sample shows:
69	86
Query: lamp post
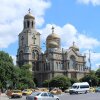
90	82
89	59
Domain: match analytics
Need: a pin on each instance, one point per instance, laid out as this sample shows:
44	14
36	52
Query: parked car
67	90
42	96
26	91
92	89
16	93
82	87
97	89
56	91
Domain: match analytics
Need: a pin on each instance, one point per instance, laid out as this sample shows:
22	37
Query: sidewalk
3	96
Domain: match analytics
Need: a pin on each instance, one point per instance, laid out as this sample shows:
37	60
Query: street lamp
90	82
89	59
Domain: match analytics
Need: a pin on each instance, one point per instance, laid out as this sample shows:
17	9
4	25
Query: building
54	61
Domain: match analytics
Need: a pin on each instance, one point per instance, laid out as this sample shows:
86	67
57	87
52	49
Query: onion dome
52	44
74	47
53	35
53	40
29	15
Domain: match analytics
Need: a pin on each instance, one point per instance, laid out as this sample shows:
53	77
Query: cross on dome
73	43
52	29
29	10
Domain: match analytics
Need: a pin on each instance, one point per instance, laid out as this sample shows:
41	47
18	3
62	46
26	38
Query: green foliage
98	76
6	68
91	79
60	81
14	76
46	83
98	73
25	78
73	80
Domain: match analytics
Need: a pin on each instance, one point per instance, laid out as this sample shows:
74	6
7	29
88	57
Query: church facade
54	61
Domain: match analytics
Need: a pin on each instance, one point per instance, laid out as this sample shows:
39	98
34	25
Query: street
65	96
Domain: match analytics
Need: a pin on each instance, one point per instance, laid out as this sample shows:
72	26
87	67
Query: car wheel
57	99
20	96
70	93
85	92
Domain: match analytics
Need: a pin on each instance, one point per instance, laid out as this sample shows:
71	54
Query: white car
41	96
82	87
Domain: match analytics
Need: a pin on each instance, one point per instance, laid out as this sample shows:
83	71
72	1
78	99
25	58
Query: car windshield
74	86
35	93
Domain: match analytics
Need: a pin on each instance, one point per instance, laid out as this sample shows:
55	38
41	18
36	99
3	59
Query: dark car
97	89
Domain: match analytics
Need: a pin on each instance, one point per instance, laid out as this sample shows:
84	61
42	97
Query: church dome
28	16
53	40
74	47
53	36
52	44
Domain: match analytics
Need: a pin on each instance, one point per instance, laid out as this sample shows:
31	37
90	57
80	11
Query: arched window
57	65
32	24
72	62
35	54
28	23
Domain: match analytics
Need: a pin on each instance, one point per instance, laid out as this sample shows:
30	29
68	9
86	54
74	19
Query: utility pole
89	59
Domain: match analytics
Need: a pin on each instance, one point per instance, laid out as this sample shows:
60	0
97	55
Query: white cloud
68	34
94	59
93	2
14	59
12	13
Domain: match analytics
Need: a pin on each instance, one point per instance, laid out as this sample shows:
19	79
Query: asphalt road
65	96
88	96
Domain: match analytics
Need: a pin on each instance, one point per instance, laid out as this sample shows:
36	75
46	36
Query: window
72	62
44	94
84	86
28	24
35	54
50	95
57	65
32	24
74	87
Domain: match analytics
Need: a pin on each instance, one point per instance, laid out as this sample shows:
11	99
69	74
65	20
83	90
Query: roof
81	83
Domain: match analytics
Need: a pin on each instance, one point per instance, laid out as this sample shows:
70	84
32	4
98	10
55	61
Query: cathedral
54	61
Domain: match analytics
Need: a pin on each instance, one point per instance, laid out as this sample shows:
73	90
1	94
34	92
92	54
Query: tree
98	73
91	79
98	76
73	80
25	77
14	76
6	69
46	83
60	81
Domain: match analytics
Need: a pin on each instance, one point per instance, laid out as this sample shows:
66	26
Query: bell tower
29	41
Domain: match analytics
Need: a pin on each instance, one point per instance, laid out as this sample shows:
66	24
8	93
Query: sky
74	20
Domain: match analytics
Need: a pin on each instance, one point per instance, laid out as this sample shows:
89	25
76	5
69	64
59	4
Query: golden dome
74	47
28	16
53	36
52	44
